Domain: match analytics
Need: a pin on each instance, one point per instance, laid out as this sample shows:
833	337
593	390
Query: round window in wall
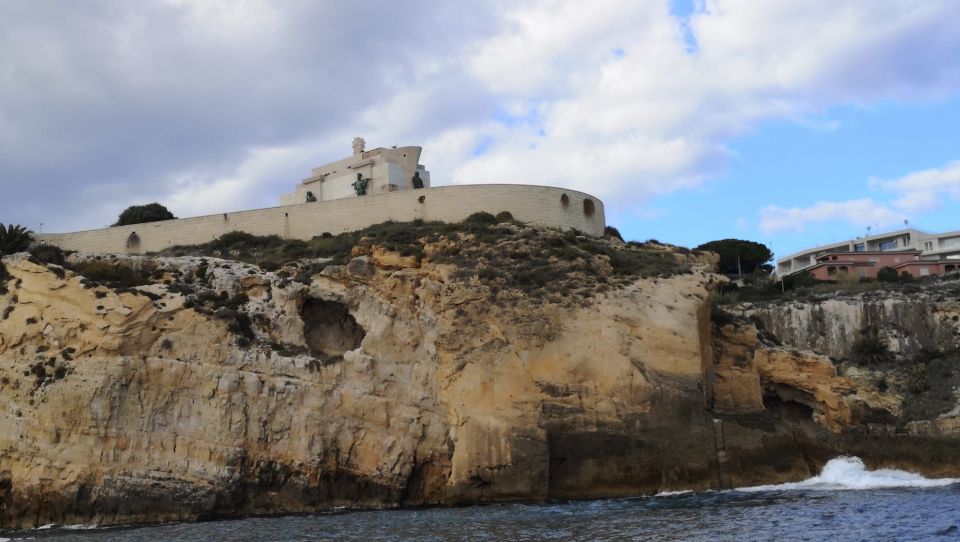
588	207
565	201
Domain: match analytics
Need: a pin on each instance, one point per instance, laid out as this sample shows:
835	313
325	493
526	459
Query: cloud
924	191
124	102
910	196
859	212
655	118
225	104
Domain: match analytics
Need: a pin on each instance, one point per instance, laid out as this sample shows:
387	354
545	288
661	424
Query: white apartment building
932	246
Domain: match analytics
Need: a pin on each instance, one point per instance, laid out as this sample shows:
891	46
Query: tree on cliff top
14	238
739	256
140	214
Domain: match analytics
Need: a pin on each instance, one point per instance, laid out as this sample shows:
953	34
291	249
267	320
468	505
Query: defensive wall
542	205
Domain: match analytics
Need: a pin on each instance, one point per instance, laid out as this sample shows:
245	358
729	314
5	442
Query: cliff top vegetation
495	250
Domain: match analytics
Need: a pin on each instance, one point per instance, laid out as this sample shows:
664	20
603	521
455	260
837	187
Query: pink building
867	264
933	247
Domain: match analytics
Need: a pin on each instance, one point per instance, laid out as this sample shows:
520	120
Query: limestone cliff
906	319
218	389
898	346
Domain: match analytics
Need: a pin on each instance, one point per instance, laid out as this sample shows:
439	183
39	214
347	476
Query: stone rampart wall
537	204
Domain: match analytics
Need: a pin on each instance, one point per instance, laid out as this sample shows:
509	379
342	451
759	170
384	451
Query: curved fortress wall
543	205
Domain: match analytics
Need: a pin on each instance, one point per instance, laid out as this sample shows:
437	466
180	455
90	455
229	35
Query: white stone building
379	171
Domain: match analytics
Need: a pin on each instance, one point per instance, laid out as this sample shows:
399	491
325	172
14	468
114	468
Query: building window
888	245
924	271
588	207
860	247
565	201
831	270
928	245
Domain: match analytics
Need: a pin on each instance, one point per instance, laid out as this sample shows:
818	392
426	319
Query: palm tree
14	238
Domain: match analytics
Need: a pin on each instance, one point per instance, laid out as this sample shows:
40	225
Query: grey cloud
103	102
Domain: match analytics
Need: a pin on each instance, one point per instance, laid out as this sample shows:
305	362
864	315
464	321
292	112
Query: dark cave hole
329	328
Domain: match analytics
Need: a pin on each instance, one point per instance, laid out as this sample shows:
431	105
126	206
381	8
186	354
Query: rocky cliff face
899	347
385	379
906	319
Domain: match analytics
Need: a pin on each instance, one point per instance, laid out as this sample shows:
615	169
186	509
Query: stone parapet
542	205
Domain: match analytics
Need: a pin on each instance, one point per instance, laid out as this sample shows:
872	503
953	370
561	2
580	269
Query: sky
788	122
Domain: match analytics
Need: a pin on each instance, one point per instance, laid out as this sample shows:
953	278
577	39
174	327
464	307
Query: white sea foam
849	473
80	527
673	493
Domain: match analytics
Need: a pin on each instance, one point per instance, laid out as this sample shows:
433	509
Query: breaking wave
848	473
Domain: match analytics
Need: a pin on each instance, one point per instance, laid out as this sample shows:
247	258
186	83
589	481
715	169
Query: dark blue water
779	514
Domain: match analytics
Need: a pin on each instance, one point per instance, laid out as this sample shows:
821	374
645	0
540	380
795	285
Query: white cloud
910	195
657	118
926	190
860	212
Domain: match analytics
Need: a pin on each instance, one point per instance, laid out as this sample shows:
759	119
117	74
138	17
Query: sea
845	502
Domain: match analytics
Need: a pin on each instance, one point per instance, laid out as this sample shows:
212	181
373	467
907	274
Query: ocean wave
849	473
674	493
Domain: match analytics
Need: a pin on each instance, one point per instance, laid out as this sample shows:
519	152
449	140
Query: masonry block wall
543	205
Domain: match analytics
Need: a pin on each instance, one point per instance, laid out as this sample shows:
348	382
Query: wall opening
133	241
565	201
588	207
329	328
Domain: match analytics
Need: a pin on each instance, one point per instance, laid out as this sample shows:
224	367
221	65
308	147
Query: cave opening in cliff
329	328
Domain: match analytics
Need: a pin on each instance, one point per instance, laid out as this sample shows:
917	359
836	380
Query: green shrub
238	239
803	279
481	218
4	277
887	274
14	238
738	256
504	216
141	214
719	316
45	254
869	349
114	276
916	377
905	276
609	232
